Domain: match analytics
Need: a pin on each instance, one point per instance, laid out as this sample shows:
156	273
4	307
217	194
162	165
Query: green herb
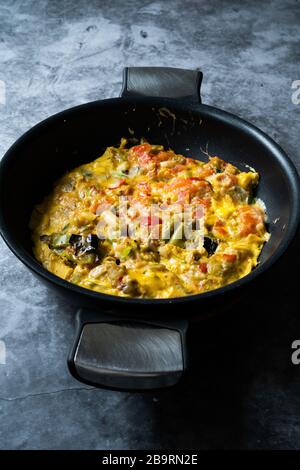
119	174
125	252
87	173
84	227
59	240
177	237
87	259
251	199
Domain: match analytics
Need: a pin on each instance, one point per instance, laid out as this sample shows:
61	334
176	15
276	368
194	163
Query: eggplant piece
131	288
56	240
86	248
45	238
210	245
79	248
84	245
74	239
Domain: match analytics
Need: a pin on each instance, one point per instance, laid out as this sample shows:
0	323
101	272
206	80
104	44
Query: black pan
140	343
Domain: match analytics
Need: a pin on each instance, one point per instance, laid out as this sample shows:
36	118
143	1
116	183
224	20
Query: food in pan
118	225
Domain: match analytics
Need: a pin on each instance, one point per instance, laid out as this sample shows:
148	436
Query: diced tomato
194	186
142	154
117	184
219	223
183	197
205	171
251	220
190	161
179	184
219	228
204	201
203	267
231	258
98	206
94	206
142	193
163	155
198	212
144	188
200	187
141	149
177	168
226	180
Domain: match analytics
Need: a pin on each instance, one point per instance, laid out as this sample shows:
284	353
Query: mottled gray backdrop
243	391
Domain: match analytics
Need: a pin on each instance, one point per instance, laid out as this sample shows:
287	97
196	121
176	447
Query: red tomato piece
117	184
142	154
194	186
231	258
144	188
251	220
226	180
203	267
219	228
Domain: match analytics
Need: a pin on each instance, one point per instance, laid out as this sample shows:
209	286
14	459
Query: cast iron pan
140	343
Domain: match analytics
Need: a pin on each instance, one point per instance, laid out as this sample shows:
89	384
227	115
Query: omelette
146	222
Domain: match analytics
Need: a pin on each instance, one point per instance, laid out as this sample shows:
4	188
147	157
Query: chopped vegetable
56	240
210	245
117	183
203	267
124	253
81	249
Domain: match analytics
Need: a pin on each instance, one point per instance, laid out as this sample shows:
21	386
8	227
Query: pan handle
163	82
127	354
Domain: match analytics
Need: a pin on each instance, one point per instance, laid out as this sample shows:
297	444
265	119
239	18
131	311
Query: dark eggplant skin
210	245
56	240
84	244
77	248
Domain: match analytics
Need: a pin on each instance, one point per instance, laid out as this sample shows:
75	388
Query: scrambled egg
76	236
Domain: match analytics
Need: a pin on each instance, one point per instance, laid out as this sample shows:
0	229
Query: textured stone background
242	391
